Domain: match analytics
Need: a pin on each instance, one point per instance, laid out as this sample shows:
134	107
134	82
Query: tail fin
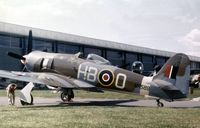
174	76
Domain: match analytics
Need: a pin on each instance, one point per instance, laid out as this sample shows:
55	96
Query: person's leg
13	99
9	99
11	95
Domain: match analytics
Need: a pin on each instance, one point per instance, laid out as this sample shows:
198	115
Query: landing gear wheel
66	97
25	103
159	104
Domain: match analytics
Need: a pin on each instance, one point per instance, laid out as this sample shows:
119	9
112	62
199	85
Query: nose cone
29	61
24	60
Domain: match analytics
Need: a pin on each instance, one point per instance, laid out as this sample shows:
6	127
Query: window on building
194	65
15	42
147	61
198	65
89	50
115	57
66	48
42	45
160	61
5	40
129	59
9	41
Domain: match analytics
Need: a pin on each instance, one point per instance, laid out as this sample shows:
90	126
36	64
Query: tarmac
38	101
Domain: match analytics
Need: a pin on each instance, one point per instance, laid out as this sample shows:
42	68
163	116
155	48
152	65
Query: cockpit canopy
137	67
98	59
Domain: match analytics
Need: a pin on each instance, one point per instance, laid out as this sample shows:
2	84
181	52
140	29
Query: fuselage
111	77
100	75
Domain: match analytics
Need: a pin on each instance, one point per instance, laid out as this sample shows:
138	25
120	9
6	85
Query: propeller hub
24	61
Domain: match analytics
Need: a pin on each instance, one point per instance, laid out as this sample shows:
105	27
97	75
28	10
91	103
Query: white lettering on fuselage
92	74
89	73
82	72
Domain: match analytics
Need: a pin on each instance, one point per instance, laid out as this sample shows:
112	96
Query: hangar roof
52	35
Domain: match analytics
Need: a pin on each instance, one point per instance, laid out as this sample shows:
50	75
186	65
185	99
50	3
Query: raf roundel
106	77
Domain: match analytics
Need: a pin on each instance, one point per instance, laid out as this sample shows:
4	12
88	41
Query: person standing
11	93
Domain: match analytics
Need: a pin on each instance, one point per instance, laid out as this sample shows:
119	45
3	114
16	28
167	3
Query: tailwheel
159	104
67	95
26	103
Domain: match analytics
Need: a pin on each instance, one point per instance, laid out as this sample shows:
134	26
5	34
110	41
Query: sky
170	25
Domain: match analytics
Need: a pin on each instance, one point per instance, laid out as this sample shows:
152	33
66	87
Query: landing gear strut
159	104
67	95
25	95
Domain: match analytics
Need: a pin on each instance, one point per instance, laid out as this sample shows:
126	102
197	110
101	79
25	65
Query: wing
51	79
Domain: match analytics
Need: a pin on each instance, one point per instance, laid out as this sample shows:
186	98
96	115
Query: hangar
15	38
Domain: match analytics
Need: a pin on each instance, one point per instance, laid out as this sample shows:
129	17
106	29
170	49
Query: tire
160	104
64	97
25	103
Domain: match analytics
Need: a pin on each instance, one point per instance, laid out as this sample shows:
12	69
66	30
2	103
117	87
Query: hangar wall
8	63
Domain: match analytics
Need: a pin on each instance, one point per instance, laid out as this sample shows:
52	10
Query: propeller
29	49
16	56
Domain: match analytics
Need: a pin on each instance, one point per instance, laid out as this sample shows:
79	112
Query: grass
96	116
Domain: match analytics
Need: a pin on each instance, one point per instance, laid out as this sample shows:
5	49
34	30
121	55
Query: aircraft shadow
107	103
100	103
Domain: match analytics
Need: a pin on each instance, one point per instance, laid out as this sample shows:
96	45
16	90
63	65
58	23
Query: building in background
15	38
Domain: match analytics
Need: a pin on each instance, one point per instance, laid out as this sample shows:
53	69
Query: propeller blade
29	49
16	56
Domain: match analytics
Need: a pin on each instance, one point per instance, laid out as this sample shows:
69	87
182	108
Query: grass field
97	116
93	116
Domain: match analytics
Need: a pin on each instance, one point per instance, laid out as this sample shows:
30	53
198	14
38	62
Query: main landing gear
26	97
67	95
159	104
